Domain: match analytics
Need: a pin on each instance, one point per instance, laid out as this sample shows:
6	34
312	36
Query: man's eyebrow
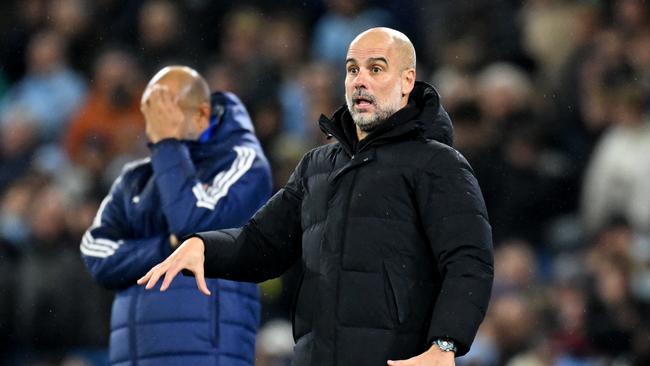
370	60
378	59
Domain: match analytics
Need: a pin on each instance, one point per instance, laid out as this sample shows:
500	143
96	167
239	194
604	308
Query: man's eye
376	69
352	70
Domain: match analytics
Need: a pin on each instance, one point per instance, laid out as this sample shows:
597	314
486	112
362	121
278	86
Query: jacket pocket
362	300
397	291
303	305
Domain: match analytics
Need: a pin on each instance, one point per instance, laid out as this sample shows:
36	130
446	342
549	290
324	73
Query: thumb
399	363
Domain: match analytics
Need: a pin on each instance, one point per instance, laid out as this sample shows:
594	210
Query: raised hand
163	114
190	256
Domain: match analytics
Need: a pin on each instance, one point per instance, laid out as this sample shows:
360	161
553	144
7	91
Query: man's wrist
445	345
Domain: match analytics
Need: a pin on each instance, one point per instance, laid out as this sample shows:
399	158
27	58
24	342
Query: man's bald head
380	75
187	84
395	40
176	104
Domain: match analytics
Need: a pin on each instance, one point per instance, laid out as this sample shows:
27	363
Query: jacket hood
228	117
423	116
432	119
230	125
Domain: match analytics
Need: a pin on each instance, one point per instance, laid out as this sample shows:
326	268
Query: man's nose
360	80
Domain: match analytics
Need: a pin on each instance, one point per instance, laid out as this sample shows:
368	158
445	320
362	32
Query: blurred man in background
206	171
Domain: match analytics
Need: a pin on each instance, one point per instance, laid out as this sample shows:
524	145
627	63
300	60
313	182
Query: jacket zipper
341	250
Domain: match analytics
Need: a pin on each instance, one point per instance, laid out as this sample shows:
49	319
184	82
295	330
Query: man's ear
408	81
204	115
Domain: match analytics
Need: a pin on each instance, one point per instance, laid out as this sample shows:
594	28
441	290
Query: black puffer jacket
393	235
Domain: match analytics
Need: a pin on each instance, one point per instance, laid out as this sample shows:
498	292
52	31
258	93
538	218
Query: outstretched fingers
142	280
200	281
153	280
169	276
188	255
154	275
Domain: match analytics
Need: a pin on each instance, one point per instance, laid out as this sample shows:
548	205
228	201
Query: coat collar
423	117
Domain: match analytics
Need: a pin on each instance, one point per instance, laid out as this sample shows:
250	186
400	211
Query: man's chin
366	125
363	117
366	110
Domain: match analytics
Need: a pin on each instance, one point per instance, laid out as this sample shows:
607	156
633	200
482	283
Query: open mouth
362	102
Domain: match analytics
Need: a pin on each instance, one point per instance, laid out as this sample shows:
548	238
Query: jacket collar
423	117
230	124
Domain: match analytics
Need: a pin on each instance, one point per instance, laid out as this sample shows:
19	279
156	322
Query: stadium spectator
50	90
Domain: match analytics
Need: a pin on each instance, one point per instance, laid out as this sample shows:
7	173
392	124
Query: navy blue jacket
216	182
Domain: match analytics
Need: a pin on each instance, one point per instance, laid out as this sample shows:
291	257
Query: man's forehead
358	54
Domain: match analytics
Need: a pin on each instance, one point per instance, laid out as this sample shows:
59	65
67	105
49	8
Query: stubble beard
368	122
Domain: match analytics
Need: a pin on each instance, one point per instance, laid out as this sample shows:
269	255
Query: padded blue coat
216	182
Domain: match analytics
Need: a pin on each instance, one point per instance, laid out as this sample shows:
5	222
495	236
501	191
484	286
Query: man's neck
361	134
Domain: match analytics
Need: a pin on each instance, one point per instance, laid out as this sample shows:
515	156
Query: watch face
445	345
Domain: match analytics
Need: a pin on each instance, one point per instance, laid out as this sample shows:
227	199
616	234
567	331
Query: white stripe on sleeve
99	247
208	197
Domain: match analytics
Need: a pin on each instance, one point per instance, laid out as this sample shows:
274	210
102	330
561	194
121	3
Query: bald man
206	171
388	223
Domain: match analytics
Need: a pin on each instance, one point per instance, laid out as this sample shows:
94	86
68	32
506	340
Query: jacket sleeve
265	247
229	200
453	212
114	260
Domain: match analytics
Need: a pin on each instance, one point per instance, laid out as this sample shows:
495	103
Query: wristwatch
445	345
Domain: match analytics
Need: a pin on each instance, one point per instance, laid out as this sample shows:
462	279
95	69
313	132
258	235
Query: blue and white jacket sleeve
228	199
114	260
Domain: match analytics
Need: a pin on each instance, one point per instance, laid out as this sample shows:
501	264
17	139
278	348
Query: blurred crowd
550	104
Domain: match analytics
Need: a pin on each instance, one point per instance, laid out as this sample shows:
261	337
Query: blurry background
549	99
